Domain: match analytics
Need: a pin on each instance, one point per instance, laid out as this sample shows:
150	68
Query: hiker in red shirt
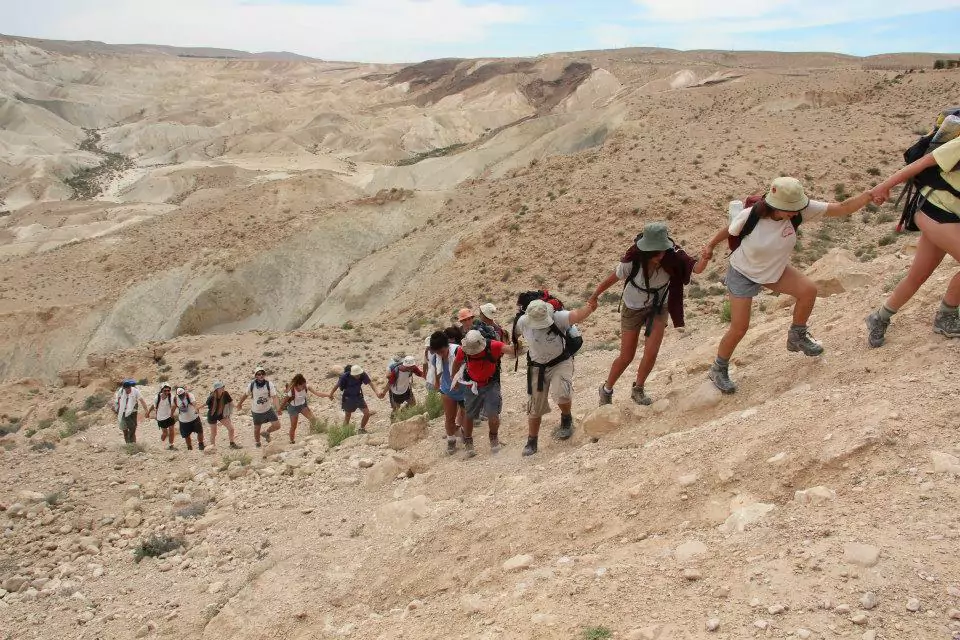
476	363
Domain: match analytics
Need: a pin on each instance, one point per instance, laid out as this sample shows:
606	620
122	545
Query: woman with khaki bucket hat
764	237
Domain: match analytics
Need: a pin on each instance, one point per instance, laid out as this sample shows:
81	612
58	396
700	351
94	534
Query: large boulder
409	432
836	272
603	421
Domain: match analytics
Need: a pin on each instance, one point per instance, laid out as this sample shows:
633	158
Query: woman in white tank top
295	401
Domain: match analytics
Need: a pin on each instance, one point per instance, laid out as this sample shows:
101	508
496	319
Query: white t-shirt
402	383
634	298
763	255
164	408
299	398
188	410
126	403
261	397
544	345
431	370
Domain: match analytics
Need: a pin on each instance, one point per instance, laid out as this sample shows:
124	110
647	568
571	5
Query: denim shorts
740	286
295	409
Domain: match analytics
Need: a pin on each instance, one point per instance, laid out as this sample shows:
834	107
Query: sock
945	308
722	363
607	389
798	327
566	420
886	312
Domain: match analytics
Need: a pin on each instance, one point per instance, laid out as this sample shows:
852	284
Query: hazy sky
406	30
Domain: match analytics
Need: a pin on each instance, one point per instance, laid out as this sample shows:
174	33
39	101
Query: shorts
214	419
937	214
166	423
265	417
636	319
189	428
558	378
349	405
128	422
486	401
740	286
397	400
296	409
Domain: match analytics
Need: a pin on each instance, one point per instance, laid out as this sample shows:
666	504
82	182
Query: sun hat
217	385
655	237
465	314
473	343
488	309
786	194
258	370
409	361
180	391
356	371
165	386
539	314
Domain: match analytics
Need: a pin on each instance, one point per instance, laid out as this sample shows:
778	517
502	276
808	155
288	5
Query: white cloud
378	30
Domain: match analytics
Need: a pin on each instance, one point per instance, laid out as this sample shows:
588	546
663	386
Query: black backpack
572	344
911	195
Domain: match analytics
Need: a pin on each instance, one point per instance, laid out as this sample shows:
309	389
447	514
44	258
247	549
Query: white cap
180	391
356	371
473	342
488	309
409	361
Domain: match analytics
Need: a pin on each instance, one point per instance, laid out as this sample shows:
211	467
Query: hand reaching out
879	195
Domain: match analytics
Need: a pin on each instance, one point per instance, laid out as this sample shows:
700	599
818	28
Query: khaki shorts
636	319
559	378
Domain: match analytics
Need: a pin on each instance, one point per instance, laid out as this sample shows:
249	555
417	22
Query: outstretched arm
241	401
881	192
608	282
848	206
707	253
581	314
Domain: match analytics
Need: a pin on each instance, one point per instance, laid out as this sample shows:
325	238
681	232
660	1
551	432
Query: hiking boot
495	447
361	431
605	398
799	339
947	324
639	396
531	447
721	378
172	448
234	445
468	449
257	444
451	447
565	430
877	327
201	446
266	436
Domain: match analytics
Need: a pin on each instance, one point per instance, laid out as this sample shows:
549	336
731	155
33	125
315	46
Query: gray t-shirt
634	298
544	345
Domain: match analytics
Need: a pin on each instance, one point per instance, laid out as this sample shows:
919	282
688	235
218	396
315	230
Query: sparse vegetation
339	433
133	448
192	367
318	426
95	402
234	456
596	633
433	153
725	312
43	445
432	406
887	239
194	510
88	183
155	546
347	326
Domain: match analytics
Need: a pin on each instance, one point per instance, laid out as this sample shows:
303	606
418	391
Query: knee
807	292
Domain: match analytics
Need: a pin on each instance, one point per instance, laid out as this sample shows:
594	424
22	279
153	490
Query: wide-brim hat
489	310
465	314
259	370
356	371
786	194
655	237
217	385
473	343
409	361
539	314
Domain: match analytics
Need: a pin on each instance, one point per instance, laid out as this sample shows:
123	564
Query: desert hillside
185	215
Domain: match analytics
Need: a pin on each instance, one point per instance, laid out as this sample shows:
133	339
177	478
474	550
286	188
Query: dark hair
297	381
762	209
454	334
438	341
644	257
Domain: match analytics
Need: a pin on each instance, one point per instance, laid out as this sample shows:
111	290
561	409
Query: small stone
868	601
691	574
776	609
603	421
859	619
365	463
864	555
721	592
215	587
408	432
913	605
777	459
688	480
85	617
516	563
713	624
761	624
842	609
413	605
954	614
544	619
689	550
743	518
945	463
143	631
815	495
804	634
869	635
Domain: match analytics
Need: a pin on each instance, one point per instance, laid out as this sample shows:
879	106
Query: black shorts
214	419
166	423
398	400
937	214
189	428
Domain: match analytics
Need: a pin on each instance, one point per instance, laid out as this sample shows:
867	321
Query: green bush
234	456
888	239
133	448
339	433
95	402
318	426
156	546
596	633
432	406
725	314
42	446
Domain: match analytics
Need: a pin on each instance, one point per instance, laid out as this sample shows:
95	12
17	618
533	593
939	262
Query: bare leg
794	283
739	323
189	441
213	434
170	435
256	433
927	259
294	419
365	419
947	238
628	349
450	411
651	349
228	423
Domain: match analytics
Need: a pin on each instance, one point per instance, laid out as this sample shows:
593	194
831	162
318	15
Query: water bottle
949	130
734	209
573	331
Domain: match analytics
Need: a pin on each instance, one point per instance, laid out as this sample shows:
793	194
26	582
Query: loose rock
864	555
517	563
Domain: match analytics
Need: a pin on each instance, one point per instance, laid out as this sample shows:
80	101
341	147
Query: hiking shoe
172	448
878	327
639	396
234	445
605	398
801	340
531	447
947	324
468	450
451	447
258	445
495	447
721	378
362	431
266	436
201	446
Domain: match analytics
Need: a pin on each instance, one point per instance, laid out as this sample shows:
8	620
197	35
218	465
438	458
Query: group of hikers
463	362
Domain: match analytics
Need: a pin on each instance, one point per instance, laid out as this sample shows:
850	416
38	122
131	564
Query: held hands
592	303
879	194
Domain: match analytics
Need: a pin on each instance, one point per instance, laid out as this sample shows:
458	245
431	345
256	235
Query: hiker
938	219
487	326
295	401
654	271
400	383
476	364
125	402
219	410
265	407
351	383
163	411
443	354
466	317
455	334
767	235
185	407
550	353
